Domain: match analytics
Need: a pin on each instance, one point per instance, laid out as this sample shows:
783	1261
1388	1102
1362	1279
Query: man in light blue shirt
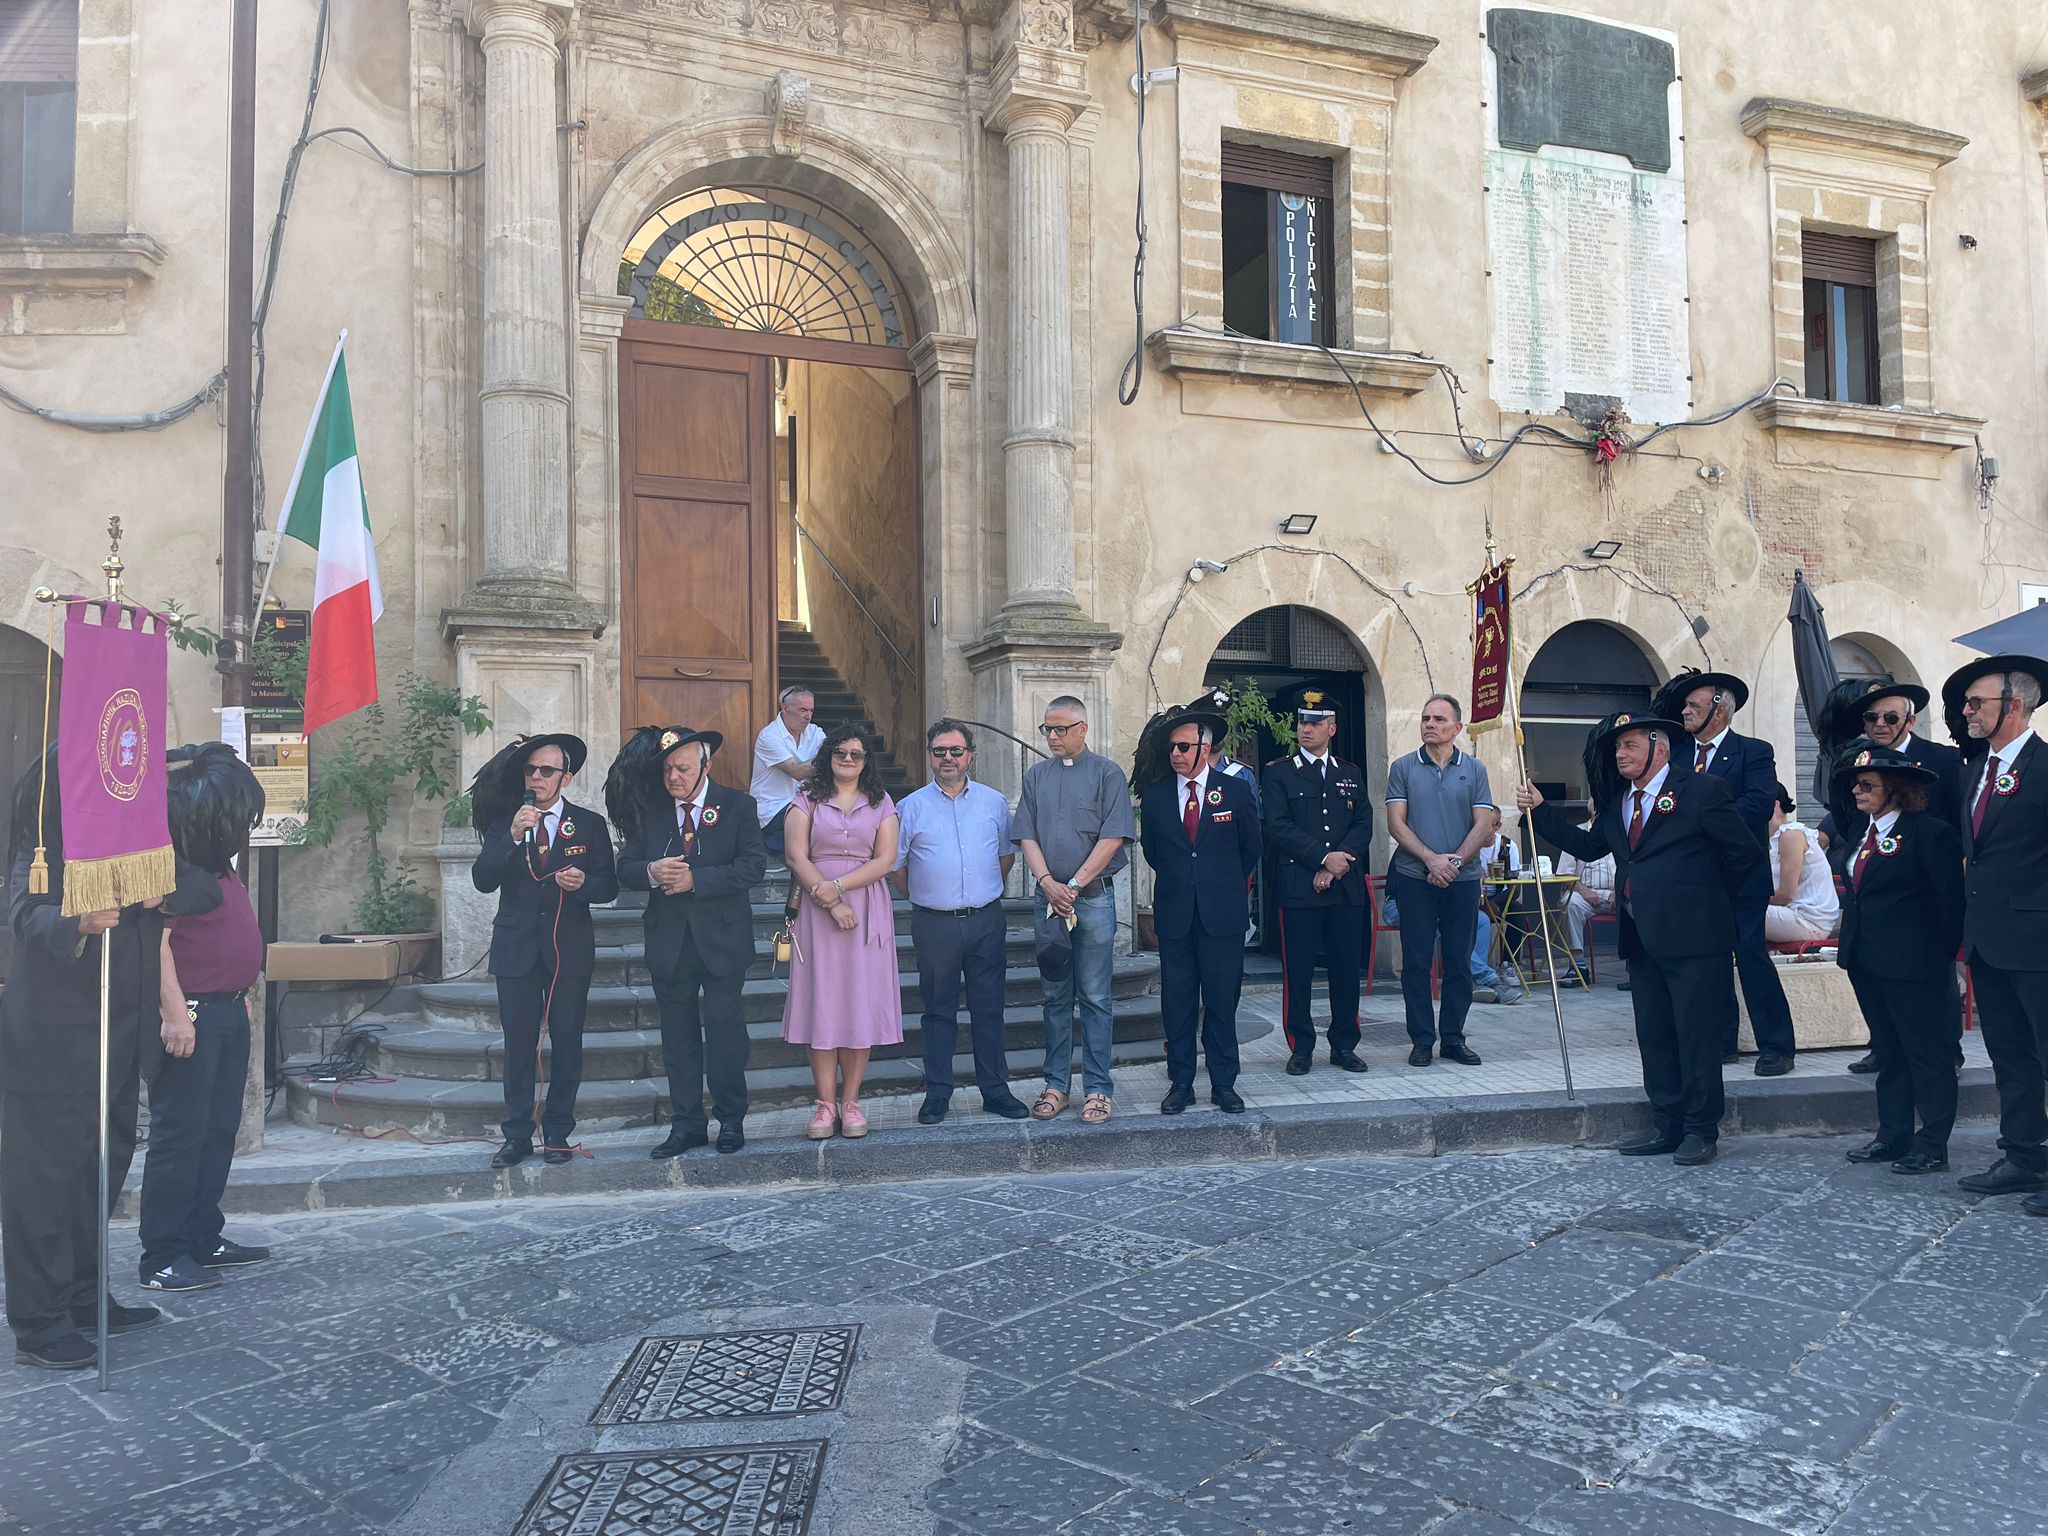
952	855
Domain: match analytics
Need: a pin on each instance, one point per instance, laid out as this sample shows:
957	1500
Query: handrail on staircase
1027	746
873	622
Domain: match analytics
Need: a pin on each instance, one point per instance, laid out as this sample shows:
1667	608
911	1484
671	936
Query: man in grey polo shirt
1072	823
953	853
1440	811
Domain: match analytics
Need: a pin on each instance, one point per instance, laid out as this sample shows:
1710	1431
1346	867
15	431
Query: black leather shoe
120	1319
1178	1097
680	1141
1651	1144
1229	1100
1773	1066
1877	1152
1695	1150
1420	1056
933	1110
2003	1177
1298	1064
730	1137
556	1155
73	1352
1930	1162
1009	1107
2033	1205
512	1154
1461	1053
1866	1064
1348	1061
1729	1058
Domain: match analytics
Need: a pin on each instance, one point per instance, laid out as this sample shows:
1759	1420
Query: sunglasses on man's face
1178	747
1972	704
1885	716
540	771
949	751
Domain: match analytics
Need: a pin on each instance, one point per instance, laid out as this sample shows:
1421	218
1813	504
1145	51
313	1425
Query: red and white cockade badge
1215	797
710	815
568	827
1888	844
2005	784
1666	803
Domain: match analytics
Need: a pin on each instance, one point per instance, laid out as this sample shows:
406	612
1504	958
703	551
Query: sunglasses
536	771
949	751
1887	717
1178	747
840	755
1972	705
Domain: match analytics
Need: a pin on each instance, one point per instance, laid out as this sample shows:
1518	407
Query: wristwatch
1456	862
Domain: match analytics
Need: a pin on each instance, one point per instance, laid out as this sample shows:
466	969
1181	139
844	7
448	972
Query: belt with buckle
955	911
216	997
1096	887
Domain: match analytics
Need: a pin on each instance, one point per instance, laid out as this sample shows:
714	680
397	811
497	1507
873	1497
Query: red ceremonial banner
111	727
1492	646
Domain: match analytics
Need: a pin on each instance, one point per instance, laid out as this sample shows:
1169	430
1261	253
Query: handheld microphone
530	800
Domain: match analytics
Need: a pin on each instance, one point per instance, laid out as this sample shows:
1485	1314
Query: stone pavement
1558	1342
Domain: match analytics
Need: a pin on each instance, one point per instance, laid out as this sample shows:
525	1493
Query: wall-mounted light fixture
1606	549
1298	523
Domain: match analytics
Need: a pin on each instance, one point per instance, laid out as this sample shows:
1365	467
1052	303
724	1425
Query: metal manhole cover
717	1490
731	1376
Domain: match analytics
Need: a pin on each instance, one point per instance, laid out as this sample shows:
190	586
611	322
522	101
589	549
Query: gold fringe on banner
101	885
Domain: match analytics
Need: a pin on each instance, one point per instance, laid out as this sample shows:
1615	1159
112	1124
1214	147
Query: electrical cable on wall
1134	368
124	421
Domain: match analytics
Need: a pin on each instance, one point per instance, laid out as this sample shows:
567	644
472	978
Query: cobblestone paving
1565	1343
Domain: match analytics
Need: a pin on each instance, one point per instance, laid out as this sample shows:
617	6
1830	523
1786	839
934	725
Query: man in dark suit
1681	852
698	848
1199	829
550	862
1884	715
1705	702
2005	919
1319	822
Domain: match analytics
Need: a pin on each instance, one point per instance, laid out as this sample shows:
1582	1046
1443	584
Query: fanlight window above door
755	259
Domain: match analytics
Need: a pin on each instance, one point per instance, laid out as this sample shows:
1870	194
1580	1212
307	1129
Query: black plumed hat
213	800
500	785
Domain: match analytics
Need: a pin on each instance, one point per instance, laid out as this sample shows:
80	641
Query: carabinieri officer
1319	823
549	861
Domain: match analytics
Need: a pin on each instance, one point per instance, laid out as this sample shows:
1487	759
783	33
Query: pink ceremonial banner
111	728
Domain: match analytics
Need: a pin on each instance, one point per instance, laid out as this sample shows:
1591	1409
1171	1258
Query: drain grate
719	1490
763	1375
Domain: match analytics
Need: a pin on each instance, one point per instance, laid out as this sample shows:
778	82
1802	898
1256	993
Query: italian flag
325	508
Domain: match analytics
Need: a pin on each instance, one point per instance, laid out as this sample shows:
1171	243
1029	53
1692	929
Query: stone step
619	927
435	1108
625	964
473	1005
413	1050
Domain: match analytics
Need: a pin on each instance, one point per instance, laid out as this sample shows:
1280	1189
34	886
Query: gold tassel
101	885
38	875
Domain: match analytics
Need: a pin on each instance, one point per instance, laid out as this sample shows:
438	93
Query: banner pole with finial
113	568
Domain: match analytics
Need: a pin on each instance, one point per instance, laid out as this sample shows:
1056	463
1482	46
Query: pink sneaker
824	1122
851	1121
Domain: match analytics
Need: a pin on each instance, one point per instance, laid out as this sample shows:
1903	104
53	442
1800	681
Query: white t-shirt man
774	790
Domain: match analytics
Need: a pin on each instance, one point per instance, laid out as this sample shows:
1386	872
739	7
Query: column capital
937	356
1034	88
540	21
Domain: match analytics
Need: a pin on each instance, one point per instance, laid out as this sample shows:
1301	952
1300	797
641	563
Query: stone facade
988	151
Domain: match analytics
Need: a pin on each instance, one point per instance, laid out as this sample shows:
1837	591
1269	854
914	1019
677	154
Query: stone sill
1190	352
1931	431
73	285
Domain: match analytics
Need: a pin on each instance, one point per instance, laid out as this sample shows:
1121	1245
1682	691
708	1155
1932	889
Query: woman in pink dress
844	996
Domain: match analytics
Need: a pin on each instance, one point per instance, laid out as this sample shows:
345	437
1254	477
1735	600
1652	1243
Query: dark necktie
1863	856
1983	797
1635	820
1706	750
689	827
1191	817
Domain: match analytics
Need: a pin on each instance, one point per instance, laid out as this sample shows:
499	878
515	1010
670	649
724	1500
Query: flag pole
291	492
1514	707
113	568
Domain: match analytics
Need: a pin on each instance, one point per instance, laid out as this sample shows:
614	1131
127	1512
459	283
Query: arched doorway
1583	673
22	660
1283	651
769	530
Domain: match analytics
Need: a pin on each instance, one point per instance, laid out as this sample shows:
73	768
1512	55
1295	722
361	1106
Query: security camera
1202	568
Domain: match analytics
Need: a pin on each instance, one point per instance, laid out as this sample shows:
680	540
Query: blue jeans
1085	989
1483	974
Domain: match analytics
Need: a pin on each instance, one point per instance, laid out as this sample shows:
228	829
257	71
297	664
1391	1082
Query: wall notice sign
271	706
1586	245
284	769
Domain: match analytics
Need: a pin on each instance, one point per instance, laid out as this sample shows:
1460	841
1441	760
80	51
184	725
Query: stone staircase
443	1058
798	660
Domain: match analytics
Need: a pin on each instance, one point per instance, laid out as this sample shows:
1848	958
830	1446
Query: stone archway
861	188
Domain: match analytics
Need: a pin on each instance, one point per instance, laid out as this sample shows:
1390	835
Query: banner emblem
124	745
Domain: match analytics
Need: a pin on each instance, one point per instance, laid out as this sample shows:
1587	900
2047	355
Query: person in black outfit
50	1217
1681	853
550	861
1902	918
1319	822
1199	829
2005	920
697	846
1878	712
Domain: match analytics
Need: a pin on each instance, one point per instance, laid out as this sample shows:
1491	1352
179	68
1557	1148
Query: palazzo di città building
712	342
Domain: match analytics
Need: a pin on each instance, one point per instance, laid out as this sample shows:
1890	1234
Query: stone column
524	390
1036	95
